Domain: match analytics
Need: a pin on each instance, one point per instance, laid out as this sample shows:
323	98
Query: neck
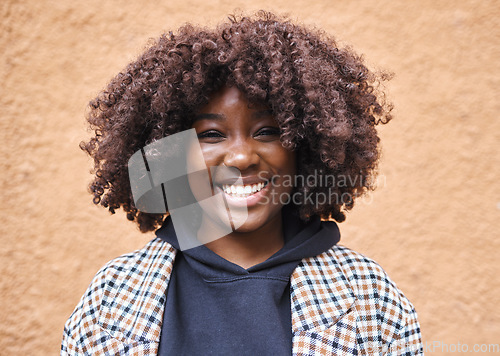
247	249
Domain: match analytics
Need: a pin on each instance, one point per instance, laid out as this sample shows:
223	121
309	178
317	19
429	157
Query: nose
242	155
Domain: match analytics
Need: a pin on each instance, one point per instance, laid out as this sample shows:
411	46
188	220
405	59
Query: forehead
231	98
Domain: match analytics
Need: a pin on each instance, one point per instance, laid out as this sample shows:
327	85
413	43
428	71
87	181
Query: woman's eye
268	131
211	135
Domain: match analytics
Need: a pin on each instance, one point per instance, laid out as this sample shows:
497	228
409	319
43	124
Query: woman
284	121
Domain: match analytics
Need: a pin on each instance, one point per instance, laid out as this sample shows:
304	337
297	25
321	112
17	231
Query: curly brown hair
323	97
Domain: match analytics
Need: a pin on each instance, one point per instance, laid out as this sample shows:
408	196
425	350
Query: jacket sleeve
82	325
387	321
408	341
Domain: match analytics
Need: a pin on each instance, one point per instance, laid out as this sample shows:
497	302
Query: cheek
198	176
195	159
210	155
285	165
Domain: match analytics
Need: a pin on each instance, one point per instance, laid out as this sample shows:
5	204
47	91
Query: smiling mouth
243	191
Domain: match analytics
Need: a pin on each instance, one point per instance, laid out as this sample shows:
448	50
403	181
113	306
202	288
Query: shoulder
139	261
136	264
382	310
128	280
367	277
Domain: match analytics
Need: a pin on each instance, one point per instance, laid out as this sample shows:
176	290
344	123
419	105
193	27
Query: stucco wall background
433	224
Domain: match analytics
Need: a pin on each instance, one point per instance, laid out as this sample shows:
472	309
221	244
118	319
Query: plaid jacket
342	304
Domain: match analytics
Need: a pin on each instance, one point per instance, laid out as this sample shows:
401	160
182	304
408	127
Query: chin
247	227
255	223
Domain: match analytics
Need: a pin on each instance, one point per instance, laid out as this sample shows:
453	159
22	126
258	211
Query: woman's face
245	138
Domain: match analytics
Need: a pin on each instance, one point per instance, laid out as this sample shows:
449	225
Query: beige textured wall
433	224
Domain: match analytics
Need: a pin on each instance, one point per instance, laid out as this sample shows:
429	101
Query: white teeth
242	191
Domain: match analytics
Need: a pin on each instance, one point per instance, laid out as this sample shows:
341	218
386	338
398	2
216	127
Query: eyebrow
210	116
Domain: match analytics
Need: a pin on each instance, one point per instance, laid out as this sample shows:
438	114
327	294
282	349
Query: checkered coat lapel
342	304
322	318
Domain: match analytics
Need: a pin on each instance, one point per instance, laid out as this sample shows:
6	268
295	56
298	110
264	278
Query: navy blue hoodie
215	307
